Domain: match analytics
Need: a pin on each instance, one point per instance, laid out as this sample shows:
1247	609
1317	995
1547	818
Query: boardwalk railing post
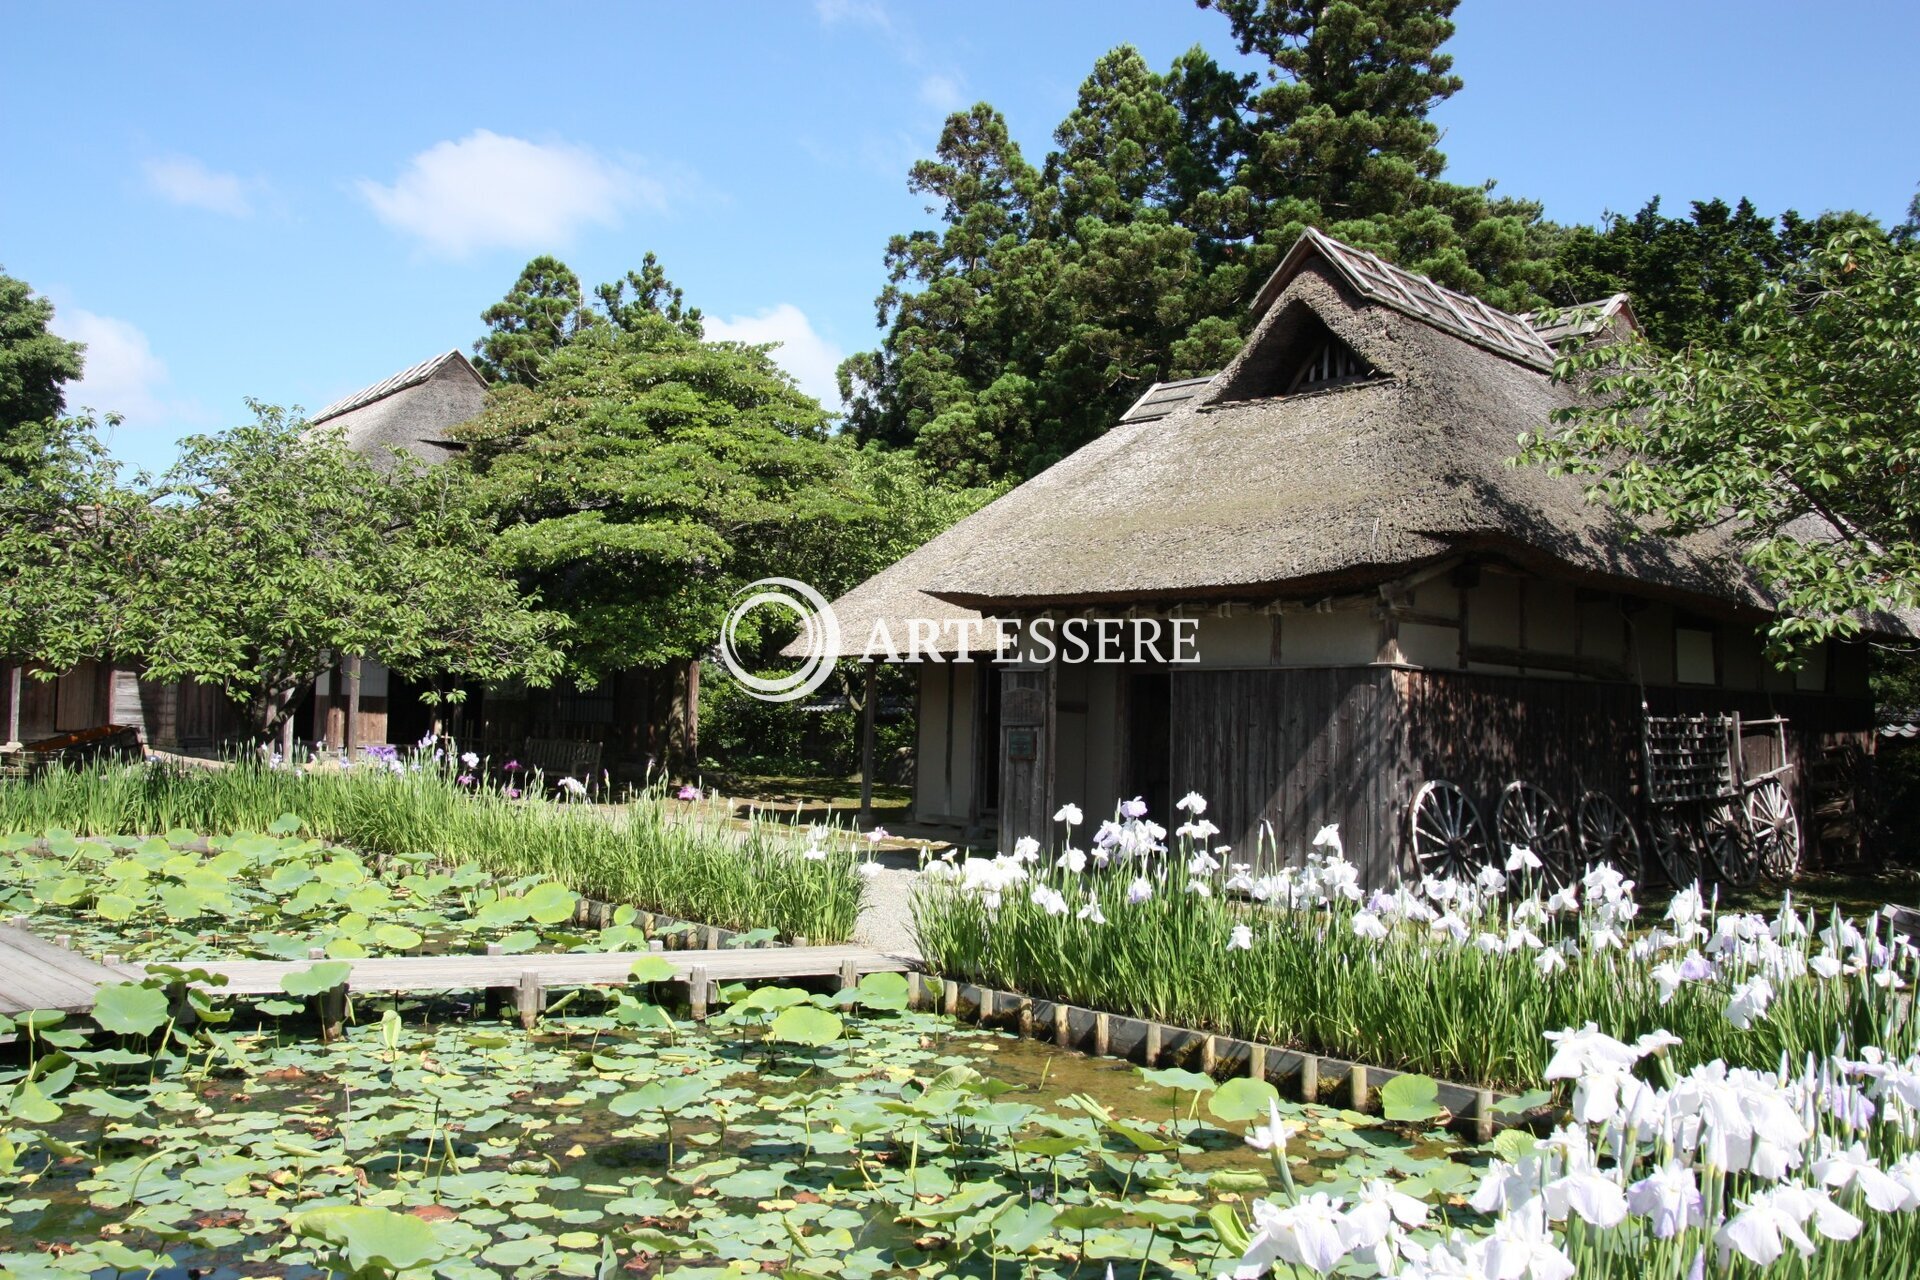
916	989
533	1000
849	974
490	998
697	992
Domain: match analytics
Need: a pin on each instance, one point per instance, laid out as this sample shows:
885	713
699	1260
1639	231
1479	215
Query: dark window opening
1299	353
1329	363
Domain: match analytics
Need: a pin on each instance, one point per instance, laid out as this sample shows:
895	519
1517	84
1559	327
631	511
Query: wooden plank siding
1483	731
1293	750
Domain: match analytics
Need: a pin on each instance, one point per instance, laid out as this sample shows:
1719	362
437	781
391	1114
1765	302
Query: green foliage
72	547
545	310
627	485
1411	1099
1805	435
130	1008
1053	295
35	366
1688	277
269	548
649	855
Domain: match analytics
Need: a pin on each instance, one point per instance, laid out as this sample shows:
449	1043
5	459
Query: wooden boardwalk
37	974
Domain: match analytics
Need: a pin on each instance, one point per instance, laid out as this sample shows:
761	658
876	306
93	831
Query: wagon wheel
1773	829
1527	816
1676	848
1728	846
1449	837
1607	834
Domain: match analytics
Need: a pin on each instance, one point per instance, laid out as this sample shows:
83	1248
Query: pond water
610	1143
182	896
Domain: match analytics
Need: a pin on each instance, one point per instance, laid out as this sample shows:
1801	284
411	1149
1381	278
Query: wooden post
1310	1078
490	999
351	737
697	992
1151	1052
1257	1061
950	998
13	703
1062	1026
1483	1115
849	974
1209	1055
1102	1031
1357	1090
866	742
916	989
533	1000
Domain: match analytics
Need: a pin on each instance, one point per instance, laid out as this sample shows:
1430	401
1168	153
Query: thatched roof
1234	489
894	594
1240	492
1585	321
410	411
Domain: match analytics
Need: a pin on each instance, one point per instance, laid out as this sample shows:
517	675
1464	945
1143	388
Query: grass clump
643	854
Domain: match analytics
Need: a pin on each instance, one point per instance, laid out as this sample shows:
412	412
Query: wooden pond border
1309	1077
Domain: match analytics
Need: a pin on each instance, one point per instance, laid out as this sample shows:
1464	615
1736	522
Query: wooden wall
1483	731
1298	748
1295	749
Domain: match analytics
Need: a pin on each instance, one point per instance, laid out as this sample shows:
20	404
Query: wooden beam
1505	656
352	734
866	741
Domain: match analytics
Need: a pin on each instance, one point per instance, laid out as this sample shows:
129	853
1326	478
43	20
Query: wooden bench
558	758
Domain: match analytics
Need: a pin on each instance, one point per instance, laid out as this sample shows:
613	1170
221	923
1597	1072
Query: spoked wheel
1676	847
1773	829
1607	834
1528	817
1728	846
1449	837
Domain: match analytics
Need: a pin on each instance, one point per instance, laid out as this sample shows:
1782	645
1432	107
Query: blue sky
290	202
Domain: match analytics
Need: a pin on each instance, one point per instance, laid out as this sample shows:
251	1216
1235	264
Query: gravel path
884	923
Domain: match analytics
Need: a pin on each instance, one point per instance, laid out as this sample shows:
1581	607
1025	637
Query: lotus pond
794	1132
183	896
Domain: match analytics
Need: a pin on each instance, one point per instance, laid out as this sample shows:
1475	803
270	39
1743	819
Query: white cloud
833	12
488	191
810	358
945	94
122	375
186	181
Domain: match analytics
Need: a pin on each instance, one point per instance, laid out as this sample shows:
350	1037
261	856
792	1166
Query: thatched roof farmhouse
1379	596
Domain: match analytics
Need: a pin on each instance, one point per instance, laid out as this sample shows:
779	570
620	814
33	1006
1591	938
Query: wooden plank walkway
395	975
37	974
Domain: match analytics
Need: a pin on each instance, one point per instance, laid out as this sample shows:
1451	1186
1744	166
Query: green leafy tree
270	548
1803	437
71	546
641	476
1690	276
545	310
1051	296
35	363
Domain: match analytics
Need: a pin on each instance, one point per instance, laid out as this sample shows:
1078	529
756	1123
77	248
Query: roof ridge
1414	295
408	377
